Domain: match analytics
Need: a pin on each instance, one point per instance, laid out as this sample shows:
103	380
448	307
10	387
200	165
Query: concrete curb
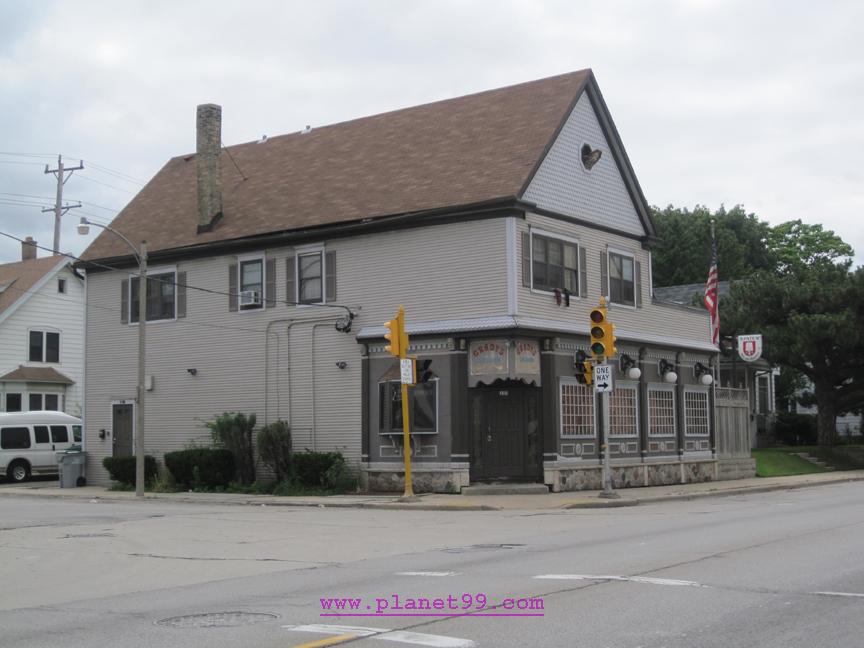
454	506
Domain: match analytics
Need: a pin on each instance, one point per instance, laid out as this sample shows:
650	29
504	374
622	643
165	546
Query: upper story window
161	296
554	264
44	346
251	284
622	284
310	277
61	286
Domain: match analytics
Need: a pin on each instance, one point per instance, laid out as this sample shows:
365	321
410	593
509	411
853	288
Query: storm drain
217	620
483	547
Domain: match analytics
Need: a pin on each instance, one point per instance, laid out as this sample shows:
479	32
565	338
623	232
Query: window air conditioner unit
250	298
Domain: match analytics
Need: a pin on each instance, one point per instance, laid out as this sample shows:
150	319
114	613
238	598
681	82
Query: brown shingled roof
36	374
17	279
455	152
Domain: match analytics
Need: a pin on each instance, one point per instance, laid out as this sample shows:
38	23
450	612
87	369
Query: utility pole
59	209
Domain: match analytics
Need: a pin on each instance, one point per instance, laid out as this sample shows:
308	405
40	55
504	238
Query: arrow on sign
602	385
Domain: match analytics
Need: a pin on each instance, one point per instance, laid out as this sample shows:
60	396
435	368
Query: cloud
717	102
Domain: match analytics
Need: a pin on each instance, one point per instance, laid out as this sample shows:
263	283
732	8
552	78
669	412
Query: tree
797	246
682	254
812	321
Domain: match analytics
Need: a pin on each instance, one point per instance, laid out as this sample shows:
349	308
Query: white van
30	441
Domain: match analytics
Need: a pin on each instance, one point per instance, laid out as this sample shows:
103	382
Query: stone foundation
437	478
570	476
742	468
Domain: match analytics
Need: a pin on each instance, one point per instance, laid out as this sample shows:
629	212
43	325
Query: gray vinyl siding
564	186
654	319
440	272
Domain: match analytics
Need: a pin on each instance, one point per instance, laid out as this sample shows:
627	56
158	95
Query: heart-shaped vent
590	156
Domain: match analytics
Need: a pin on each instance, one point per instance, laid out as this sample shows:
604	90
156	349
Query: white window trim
567	380
696	389
43	330
669	388
561	237
309	250
60	401
423	432
256	256
626	253
64	284
622	384
152	271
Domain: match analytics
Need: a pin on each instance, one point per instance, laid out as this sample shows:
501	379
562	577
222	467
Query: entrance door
121	426
506	433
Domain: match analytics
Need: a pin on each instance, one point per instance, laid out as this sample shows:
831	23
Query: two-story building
41	334
497	219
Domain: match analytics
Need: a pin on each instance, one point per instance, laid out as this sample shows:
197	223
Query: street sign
406	370
602	378
750	347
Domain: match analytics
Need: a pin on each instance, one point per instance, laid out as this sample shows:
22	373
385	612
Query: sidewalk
441	502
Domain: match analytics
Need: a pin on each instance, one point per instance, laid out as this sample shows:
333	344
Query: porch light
703	374
627	366
667	370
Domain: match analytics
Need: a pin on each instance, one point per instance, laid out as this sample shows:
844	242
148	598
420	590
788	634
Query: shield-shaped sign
750	347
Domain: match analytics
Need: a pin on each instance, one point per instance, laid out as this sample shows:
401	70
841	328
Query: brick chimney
209	147
28	249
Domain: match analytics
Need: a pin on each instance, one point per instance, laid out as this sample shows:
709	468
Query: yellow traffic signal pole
603	348
398	347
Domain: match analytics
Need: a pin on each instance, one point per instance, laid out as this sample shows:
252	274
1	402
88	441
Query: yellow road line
330	641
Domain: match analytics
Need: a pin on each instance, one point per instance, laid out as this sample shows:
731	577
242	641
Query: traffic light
423	371
602	333
396	336
584	368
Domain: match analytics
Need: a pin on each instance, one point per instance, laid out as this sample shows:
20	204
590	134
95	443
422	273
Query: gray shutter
232	287
270	285
583	272
637	277
181	294
290	283
124	301
330	284
604	273
526	259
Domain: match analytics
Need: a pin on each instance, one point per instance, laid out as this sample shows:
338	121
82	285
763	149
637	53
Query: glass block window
661	412
577	410
624	411
696	413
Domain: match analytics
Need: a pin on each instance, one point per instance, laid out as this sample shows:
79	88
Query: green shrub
322	470
122	469
233	431
274	448
201	467
795	429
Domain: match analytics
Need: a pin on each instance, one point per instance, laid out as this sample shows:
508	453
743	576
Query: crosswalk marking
344	632
633	579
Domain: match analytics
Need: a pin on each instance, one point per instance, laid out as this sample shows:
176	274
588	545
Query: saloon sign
750	347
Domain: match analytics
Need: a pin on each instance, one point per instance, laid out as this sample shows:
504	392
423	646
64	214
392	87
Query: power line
97	264
119	312
105	184
45	155
115	173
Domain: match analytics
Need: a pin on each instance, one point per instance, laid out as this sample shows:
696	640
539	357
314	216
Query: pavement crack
223	558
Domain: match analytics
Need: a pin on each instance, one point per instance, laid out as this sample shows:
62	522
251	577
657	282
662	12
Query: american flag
711	298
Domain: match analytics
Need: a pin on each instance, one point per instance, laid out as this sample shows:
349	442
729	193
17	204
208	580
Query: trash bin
71	465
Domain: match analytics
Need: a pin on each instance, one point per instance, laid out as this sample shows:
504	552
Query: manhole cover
483	547
217	619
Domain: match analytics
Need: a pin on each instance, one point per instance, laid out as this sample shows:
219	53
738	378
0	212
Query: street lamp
141	256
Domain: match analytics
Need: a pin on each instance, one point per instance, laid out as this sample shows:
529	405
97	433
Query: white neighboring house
41	334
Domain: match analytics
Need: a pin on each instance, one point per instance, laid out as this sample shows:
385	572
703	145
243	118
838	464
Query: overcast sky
753	103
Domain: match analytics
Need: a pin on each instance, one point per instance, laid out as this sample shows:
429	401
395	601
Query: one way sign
602	378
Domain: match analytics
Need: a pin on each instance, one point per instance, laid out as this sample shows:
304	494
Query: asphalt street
782	569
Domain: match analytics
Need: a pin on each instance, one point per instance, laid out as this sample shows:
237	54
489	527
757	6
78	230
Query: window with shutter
554	264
